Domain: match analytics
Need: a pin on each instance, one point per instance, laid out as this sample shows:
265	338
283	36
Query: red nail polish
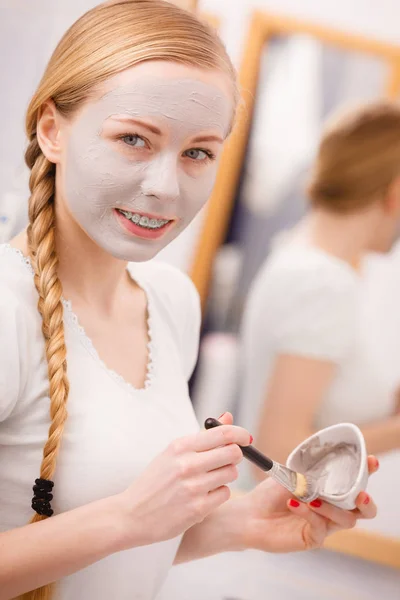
220	416
366	500
316	503
377	463
294	503
251	439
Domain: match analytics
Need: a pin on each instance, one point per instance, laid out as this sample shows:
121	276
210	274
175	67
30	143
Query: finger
215	498
226	418
214	479
373	464
220	436
366	507
315	534
218	457
344	519
209	502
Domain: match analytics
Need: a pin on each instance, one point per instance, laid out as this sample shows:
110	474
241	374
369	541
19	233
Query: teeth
144	221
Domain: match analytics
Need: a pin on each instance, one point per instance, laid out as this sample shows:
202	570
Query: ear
48	132
392	200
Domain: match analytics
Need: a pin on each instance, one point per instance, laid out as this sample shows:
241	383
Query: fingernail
294	503
220	416
376	463
316	503
366	499
251	439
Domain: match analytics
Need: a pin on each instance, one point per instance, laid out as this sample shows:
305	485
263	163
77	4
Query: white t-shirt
308	303
113	431
382	308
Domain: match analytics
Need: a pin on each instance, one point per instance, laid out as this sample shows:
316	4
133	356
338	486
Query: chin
383	243
136	255
134	252
383	247
129	248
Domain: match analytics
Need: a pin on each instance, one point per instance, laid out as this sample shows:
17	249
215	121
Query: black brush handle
251	453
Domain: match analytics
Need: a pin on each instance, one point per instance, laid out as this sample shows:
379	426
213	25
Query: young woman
125	132
307	360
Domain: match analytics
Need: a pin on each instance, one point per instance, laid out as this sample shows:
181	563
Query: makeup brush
305	489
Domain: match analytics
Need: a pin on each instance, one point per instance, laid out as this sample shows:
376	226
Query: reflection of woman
125	133
306	363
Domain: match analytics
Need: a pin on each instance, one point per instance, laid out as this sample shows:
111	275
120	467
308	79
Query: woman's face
138	163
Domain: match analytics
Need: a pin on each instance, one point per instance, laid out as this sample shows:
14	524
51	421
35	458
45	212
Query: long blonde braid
42	249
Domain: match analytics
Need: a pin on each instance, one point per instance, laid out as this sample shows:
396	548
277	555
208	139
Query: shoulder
171	287
15	288
18	298
308	305
16	275
175	299
167	279
306	275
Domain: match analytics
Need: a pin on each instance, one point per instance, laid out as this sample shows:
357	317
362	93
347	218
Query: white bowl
343	433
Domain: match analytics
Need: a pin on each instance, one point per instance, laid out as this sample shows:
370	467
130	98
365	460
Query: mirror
301	82
293	76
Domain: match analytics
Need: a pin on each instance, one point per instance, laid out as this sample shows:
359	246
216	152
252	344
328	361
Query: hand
273	521
183	485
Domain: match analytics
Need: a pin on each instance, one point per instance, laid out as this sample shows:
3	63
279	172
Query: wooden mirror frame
263	27
360	543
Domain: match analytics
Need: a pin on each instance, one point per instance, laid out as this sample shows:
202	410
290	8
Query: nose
161	180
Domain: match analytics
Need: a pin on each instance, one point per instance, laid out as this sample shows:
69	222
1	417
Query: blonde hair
358	158
106	40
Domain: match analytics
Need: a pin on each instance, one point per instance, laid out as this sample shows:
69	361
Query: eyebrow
148	126
207	138
157	131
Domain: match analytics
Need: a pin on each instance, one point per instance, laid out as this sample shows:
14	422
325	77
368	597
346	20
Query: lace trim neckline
72	320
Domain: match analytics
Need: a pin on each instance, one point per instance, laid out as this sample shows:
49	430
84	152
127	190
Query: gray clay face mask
99	178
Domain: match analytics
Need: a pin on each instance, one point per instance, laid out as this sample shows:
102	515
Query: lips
143	214
145	228
142	220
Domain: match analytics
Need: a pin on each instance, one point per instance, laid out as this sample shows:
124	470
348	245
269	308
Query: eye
134	140
198	154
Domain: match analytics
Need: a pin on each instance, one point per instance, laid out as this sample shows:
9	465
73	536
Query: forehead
190	103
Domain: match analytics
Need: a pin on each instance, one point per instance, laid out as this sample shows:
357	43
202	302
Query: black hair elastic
43	496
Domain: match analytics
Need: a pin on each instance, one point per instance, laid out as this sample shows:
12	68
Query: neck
348	236
86	271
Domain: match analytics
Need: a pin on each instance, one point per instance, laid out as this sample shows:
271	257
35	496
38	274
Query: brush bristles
301	486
